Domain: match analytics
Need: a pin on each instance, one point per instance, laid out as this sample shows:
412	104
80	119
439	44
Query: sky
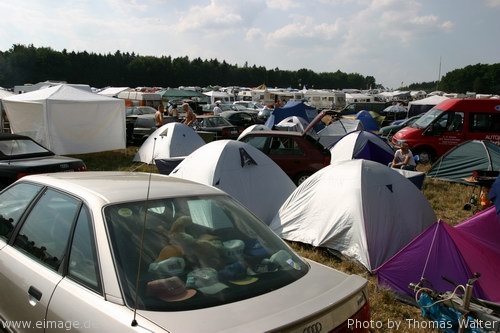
398	42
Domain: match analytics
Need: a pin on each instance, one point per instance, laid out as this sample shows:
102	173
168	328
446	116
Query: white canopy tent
68	120
3	94
425	104
112	91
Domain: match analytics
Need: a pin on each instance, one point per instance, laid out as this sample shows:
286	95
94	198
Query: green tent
461	161
172	94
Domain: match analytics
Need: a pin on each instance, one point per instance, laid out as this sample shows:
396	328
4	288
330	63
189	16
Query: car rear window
210	248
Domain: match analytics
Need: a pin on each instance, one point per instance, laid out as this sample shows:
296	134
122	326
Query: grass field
447	200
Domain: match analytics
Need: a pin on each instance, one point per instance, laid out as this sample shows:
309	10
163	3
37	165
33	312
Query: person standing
173	112
190	116
217	110
159	116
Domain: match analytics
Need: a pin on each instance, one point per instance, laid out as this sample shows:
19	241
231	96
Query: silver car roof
116	186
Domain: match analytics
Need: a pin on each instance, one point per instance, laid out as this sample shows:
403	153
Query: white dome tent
360	208
241	170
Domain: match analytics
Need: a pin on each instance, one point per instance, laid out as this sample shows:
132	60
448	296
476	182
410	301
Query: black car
20	156
218	126
241	119
139	127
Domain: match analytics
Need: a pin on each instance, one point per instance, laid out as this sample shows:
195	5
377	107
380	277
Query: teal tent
173	94
461	161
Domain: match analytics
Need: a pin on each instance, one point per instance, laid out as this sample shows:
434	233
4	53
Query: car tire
301	178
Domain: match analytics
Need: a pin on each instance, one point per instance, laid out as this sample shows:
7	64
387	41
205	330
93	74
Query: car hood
406	132
320	289
390	128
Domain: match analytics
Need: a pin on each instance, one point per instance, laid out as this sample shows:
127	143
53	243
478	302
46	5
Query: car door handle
35	293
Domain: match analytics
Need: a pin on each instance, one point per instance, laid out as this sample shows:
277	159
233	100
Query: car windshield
197	252
17	148
214	122
427	118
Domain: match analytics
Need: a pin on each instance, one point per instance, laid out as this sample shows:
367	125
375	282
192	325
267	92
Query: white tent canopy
214	96
425	104
172	140
242	171
360	208
68	120
112	91
292	123
254	127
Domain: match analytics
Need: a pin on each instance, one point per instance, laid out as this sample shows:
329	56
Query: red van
450	123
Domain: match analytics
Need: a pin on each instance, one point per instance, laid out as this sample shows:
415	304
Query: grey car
138	252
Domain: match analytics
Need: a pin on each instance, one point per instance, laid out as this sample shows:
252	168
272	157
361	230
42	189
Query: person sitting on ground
403	158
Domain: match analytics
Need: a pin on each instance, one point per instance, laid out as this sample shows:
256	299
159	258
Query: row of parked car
229	124
185	257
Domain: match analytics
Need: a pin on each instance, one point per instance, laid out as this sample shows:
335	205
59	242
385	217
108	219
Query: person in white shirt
217	110
403	158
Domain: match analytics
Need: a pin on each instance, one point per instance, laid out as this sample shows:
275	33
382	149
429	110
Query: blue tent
294	108
369	124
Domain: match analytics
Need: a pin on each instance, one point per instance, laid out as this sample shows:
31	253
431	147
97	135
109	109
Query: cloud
283	4
214	16
493	3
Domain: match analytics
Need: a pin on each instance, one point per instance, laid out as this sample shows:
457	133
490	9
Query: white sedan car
138	252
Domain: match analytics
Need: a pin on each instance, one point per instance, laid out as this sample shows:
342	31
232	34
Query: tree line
28	64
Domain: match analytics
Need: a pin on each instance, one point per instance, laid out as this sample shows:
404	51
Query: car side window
13	203
45	233
83	265
484	122
286	146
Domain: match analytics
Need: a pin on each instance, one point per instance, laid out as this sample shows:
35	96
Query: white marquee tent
68	120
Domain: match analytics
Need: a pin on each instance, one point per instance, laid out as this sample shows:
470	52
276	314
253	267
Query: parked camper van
450	123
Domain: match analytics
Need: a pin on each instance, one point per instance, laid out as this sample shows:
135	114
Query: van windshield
427	118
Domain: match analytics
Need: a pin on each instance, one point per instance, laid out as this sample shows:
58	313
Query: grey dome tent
360	208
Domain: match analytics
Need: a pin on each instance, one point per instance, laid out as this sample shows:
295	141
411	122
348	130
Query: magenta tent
452	252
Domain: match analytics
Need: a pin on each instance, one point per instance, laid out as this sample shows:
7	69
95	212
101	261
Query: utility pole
439	74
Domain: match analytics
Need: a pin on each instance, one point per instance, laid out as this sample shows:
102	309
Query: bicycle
454	313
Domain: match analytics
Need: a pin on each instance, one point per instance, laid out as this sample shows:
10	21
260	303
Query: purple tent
452	252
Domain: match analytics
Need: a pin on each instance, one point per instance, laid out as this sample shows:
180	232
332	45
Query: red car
299	155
